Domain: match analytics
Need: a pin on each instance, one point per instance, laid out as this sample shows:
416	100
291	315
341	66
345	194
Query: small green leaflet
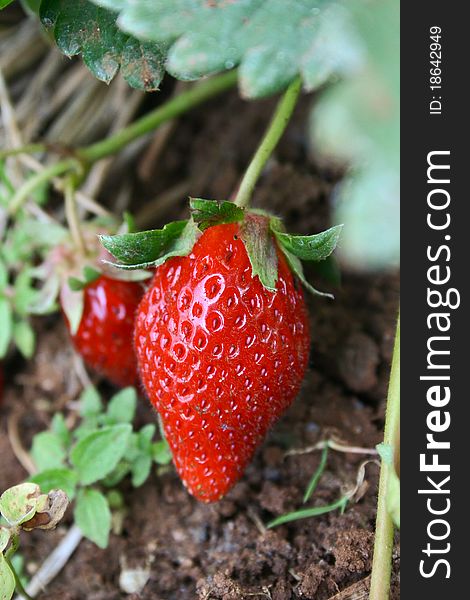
96	454
310	247
316	247
152	248
93	517
297	268
4	3
211	212
7	580
80	27
18	504
256	235
48	451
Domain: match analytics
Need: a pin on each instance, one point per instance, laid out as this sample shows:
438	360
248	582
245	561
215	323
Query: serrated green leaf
48	451
6	325
161	452
211	212
121	408
7	579
18	504
310	247
296	267
140	469
256	235
98	453
23	336
80	27
152	248
90	402
272	41
56	479
93	517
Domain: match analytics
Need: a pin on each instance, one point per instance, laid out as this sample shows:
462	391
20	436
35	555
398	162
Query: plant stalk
90	154
384	529
173	108
22	194
273	134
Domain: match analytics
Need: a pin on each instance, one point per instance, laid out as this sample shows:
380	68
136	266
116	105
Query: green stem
28	149
15	541
173	108
90	154
382	561
22	194
276	128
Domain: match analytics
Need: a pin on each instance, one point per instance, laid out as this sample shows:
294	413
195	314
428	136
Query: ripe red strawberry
221	356
105	335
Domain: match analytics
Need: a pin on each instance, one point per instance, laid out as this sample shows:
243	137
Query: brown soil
223	551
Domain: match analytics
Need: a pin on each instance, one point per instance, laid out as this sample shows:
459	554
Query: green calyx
259	231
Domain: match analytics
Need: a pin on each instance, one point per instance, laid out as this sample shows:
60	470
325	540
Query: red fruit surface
105	334
220	356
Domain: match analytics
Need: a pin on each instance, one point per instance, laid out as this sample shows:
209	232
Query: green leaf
59	427
23	336
5	535
80	27
6	326
272	41
98	453
7	579
93	517
19	503
152	248
296	266
56	479
310	247
161	452
212	212
140	469
307	513
256	235
358	122
90	402
4	3
48	451
145	437
121	408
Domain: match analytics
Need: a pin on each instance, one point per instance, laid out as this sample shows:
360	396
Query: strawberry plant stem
276	128
173	108
382	561
21	195
90	154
